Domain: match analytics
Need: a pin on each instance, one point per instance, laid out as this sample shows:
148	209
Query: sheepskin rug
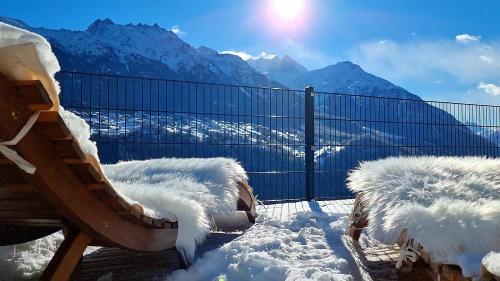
190	190
451	205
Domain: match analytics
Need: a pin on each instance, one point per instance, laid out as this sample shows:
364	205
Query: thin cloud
487	59
175	29
421	59
467	38
490	89
246	56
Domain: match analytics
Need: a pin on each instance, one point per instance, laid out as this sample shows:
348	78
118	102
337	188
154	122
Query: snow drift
308	246
451	205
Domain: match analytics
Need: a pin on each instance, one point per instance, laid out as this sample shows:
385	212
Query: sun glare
284	18
288	9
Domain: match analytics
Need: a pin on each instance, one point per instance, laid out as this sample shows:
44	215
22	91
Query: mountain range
146	51
152	51
359	116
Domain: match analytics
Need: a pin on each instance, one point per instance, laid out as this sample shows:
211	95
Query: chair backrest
67	187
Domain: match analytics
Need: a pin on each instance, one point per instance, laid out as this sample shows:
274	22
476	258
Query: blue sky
413	44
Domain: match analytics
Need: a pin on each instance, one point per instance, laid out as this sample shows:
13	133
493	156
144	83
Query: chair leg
66	257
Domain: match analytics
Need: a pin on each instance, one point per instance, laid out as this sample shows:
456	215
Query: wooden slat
95	186
12	175
68	149
24	204
86	173
52	125
32	221
158	223
117	204
34	95
12	111
170	224
105	192
29	214
17	191
147	220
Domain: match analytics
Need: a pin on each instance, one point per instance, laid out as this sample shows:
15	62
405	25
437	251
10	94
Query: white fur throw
450	205
190	190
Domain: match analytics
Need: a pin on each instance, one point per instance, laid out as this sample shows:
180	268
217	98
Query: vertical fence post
309	142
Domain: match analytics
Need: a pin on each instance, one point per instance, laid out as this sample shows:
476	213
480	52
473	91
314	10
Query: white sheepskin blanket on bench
190	190
449	205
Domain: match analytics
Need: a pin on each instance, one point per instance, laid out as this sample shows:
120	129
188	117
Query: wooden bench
358	220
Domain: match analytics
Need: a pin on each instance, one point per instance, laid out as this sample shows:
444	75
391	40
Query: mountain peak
345	66
206	50
99	24
287	61
348	64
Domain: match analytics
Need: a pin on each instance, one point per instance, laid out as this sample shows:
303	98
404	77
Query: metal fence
294	144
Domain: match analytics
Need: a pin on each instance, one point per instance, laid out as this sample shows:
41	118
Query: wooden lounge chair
67	189
56	186
411	255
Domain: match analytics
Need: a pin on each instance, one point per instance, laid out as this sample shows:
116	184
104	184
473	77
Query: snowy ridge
144	50
449	205
284	70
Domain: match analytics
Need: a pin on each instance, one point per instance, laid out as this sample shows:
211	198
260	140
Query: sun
288	9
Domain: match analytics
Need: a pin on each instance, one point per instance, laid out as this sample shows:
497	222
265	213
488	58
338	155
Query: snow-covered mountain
353	128
144	50
284	70
343	77
349	78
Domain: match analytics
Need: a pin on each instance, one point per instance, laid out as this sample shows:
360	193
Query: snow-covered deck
284	211
290	241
